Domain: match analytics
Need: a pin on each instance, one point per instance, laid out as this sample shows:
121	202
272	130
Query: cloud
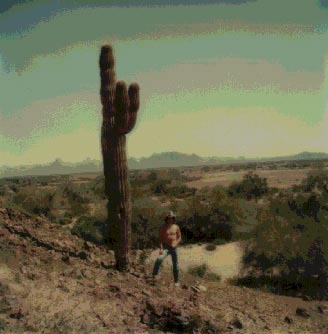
40	28
62	113
238	73
6	5
324	3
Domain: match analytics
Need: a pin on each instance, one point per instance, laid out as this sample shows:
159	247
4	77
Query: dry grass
283	178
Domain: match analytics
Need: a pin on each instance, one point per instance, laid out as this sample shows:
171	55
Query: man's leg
159	261
174	254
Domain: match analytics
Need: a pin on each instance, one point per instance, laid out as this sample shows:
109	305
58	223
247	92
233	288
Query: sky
217	77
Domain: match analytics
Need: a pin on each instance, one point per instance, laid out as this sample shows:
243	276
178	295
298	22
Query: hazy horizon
86	159
218	78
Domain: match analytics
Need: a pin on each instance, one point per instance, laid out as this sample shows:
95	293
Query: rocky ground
53	282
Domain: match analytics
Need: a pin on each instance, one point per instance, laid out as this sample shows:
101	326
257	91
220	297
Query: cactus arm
121	104
134	105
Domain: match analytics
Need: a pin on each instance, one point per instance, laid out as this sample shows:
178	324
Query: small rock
23	270
288	320
68	272
146	293
230	327
145	318
301	312
236	323
66	258
87	245
202	288
114	288
105	265
31	276
195	288
85	273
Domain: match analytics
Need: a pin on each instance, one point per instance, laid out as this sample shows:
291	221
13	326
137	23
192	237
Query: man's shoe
177	284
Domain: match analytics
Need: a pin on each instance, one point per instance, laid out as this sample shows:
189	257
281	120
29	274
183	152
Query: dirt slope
52	282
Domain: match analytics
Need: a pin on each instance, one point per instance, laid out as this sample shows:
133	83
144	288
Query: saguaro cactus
120	106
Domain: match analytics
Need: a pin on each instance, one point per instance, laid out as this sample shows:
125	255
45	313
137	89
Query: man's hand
160	251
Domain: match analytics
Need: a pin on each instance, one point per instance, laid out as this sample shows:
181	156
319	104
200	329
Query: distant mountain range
165	159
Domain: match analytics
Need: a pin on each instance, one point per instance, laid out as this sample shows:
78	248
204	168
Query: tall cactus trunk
120	108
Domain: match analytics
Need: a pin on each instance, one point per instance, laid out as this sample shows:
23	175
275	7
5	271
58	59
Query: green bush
160	186
199	271
219	242
210	216
64	221
180	191
91	229
35	201
146	221
210	247
213	277
290	246
252	186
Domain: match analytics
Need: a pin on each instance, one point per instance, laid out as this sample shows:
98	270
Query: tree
252	186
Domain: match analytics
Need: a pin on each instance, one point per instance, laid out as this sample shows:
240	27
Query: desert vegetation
284	230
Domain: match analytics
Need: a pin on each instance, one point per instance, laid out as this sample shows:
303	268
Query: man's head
170	218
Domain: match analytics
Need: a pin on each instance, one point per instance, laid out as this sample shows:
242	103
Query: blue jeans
167	250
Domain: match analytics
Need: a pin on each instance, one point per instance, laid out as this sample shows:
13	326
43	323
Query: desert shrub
91	229
210	247
199	270
78	209
219	242
152	176
160	186
146	221
252	186
308	205
205	169
211	216
35	201
180	191
289	249
2	190
143	257
64	220
75	194
98	187
316	180
77	199
213	277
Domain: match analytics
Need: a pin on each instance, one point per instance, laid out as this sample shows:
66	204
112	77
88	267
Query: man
169	238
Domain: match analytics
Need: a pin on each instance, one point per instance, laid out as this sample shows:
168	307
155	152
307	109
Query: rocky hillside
53	282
